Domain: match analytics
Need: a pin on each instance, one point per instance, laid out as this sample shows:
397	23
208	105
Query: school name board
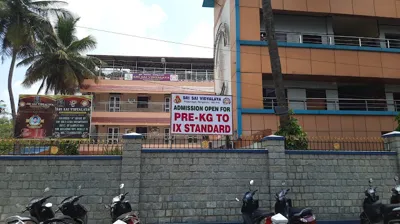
47	116
201	114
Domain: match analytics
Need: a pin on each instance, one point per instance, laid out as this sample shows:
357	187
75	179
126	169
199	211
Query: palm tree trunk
275	61
10	92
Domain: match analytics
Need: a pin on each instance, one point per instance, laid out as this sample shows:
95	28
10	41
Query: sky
178	21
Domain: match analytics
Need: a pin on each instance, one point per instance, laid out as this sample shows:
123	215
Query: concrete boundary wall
200	186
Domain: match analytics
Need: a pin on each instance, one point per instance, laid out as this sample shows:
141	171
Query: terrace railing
315	38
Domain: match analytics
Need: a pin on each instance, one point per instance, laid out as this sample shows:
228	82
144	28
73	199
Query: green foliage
398	122
6	146
111	150
6	128
22	22
295	137
60	63
68	148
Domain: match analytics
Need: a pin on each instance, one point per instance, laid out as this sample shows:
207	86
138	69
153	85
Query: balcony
125	106
334	40
341	104
157	74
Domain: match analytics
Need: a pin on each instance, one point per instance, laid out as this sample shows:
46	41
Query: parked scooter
375	212
70	207
121	210
283	205
40	212
250	209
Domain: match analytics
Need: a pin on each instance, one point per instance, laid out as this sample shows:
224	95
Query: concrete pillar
390	102
297	99
392	143
130	167
333	99
277	163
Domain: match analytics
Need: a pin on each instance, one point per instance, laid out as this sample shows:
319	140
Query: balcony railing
312	38
180	75
337	104
137	106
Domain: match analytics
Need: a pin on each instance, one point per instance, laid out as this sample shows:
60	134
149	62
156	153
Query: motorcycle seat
126	215
298	212
390	207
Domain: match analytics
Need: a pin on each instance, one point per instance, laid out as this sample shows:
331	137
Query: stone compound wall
26	178
333	185
201	185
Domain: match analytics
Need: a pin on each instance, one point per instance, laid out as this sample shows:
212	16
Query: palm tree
275	61
59	63
21	23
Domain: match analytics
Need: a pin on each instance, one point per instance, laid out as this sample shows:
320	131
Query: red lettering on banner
184	116
206	117
191	117
177	116
224	117
177	127
204	128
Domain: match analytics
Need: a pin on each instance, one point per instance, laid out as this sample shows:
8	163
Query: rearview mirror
121	186
252	182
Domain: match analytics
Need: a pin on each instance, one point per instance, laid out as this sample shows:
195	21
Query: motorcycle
283	205
250	209
70	207
121	210
375	212
40	212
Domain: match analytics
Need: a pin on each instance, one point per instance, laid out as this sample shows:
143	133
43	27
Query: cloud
202	37
135	18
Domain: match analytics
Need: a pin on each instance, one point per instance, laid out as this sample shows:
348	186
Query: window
192	139
168	138
113	135
114	103
142	102
316	99
167	103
